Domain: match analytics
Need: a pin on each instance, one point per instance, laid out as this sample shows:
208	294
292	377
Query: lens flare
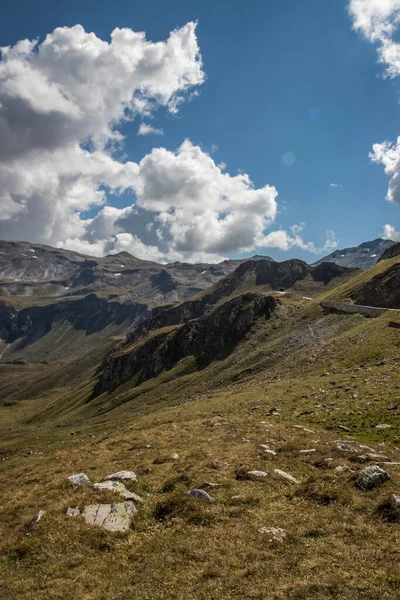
289	158
314	114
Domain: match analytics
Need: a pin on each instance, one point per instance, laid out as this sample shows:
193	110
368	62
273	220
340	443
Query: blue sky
267	65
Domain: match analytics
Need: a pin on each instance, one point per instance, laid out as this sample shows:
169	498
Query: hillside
254	380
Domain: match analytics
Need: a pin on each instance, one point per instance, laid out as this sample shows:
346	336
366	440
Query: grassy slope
322	371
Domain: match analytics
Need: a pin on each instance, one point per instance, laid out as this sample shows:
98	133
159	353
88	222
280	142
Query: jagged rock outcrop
207	338
383	290
391	252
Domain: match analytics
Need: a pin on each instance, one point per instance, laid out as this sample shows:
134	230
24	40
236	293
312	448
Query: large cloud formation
379	22
62	104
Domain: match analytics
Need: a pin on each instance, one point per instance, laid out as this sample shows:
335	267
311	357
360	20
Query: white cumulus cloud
390	233
62	105
146	129
379	22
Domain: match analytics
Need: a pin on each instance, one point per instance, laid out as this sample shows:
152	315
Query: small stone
173	456
342	469
371	477
267	450
79	479
273	411
307	451
286	476
144	470
199	495
114	517
276	533
73	512
127	495
38	517
393	407
374	457
343	428
396	500
345	447
112	486
208	484
214	464
383	426
123	475
256	474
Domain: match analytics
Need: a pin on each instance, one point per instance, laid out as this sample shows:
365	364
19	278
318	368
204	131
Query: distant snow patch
202	273
117	274
30	250
34	256
374	255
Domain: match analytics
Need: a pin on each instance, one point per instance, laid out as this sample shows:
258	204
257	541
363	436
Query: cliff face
391	252
382	291
206	338
90	314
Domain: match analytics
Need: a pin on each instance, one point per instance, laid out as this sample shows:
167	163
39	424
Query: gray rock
79	479
276	534
345	448
286	476
396	500
267	450
73	512
383	426
342	469
208	484
273	411
200	495
119	487
127	495
371	477
111	486
38	517
122	475
173	456
373	456
257	474
307	451
114	517
393	407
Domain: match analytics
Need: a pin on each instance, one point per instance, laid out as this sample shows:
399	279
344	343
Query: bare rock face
383	290
79	479
212	336
114	517
371	477
391	252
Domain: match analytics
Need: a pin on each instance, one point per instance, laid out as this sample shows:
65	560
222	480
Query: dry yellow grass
322	371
